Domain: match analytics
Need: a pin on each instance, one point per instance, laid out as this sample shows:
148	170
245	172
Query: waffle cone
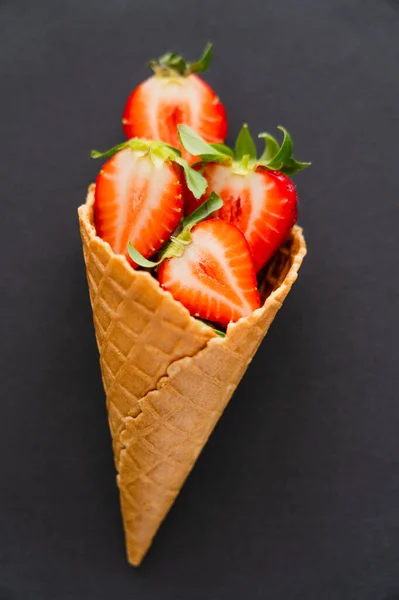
167	378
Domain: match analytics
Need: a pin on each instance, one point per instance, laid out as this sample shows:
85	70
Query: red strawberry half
214	278
138	196
174	95
258	197
261	203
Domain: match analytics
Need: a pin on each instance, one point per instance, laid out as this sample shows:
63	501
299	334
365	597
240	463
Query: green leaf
292	166
219	333
271	147
139	258
245	145
171	148
196	182
205	323
279	158
168	64
211	158
177	245
203	63
285	151
223	149
173	61
108	153
194	143
214	202
134	143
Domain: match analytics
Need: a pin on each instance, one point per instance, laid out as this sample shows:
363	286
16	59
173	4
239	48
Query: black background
296	496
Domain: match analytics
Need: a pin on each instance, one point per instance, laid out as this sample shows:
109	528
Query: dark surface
296	495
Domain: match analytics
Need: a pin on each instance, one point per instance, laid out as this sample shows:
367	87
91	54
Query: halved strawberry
261	203
138	196
175	95
258	197
214	278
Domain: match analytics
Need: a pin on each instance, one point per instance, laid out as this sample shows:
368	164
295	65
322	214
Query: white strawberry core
174	92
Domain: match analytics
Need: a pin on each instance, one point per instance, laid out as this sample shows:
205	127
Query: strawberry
214	277
175	95
138	195
261	203
257	195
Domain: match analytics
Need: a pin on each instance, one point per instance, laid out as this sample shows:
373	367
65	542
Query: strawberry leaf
271	147
279	158
214	202
194	143
284	153
245	145
205	323
109	153
223	149
134	144
292	166
196	182
210	158
171	64
175	62
139	258
218	332
197	146
174	248
203	63
274	157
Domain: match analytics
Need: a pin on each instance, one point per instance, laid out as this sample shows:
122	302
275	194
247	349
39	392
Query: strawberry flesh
261	203
137	201
159	104
214	278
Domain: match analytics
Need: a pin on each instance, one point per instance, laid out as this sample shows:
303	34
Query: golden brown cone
167	378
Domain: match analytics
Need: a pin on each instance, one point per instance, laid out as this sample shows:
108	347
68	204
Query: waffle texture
166	377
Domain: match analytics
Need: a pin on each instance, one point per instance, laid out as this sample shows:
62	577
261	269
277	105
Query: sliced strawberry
261	203
257	197
172	96
214	278
137	200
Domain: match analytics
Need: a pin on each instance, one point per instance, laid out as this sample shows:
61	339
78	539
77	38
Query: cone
167	378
